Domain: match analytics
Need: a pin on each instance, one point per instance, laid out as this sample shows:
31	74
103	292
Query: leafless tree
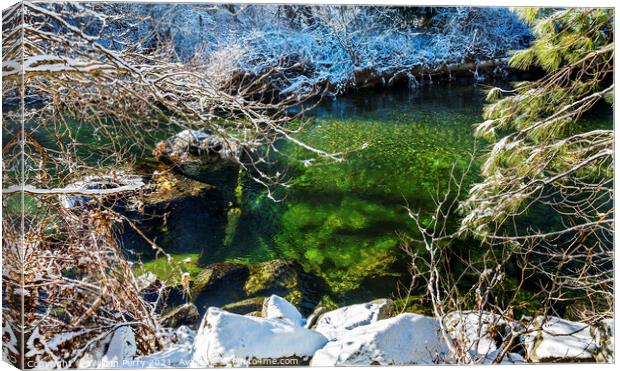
476	296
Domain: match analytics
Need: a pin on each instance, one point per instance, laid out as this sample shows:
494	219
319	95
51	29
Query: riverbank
363	334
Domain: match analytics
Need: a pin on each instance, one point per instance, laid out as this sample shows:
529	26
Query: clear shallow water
342	220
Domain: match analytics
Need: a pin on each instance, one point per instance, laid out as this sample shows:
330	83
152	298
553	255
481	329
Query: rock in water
195	144
183	315
120	181
288	279
402	340
277	308
335	323
246	306
560	340
219	284
227	339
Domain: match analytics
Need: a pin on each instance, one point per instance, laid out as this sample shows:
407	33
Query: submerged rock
288	279
337	322
219	284
402	340
227	339
241	288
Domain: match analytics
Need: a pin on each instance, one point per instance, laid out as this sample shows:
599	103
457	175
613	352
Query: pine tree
544	158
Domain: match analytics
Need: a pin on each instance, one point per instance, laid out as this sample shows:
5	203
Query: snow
509	358
559	339
228	339
277	308
330	44
335	323
605	338
122	347
401	340
467	326
116	349
178	355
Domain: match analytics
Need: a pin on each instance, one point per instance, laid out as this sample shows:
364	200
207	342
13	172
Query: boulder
402	340
125	183
219	284
176	355
314	317
553	339
116	350
228	339
183	315
481	332
337	322
197	144
277	308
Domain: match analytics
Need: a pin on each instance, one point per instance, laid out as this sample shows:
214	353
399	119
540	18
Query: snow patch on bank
228	339
335	323
402	340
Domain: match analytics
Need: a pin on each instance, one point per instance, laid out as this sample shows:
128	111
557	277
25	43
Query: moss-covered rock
183	315
219	284
288	279
246	306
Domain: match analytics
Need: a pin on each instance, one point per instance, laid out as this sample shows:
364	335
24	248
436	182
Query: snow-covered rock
509	358
99	184
556	339
228	339
177	355
479	331
194	143
336	322
122	346
115	351
605	339
402	340
276	307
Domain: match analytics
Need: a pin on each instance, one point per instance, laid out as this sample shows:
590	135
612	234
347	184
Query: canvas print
200	185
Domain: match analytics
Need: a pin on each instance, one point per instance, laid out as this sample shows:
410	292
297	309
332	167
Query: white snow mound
402	340
559	339
228	339
335	323
276	307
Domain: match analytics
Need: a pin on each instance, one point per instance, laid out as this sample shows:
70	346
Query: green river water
342	220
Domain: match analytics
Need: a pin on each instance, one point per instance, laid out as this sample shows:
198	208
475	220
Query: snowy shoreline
362	334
